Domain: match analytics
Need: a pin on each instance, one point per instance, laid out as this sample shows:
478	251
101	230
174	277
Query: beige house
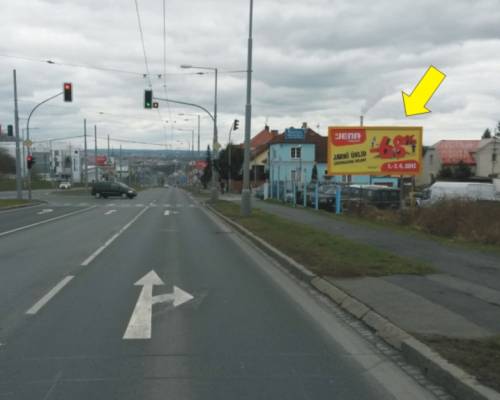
447	153
487	157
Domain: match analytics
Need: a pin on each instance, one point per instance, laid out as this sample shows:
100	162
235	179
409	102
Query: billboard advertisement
374	150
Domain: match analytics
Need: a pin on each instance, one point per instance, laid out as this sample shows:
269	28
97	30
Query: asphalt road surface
153	298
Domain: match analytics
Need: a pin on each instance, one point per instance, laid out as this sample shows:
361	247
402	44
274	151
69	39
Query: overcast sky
318	61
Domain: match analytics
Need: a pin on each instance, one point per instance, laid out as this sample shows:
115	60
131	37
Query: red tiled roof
262	138
451	152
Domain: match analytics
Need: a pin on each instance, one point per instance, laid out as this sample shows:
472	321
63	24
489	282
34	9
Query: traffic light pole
28	136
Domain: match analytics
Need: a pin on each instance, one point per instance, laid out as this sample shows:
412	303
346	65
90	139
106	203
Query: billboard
374	150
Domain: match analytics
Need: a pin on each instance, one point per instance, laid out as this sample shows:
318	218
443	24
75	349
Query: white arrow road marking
45	299
109	212
45	211
166	213
139	326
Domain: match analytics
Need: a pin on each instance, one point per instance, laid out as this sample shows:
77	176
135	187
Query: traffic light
68	92
31	161
236	124
10	130
148	98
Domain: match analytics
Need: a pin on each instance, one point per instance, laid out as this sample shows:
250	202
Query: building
448	153
292	155
486	156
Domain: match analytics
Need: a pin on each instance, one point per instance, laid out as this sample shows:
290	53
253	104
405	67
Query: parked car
108	189
259	192
374	195
65	185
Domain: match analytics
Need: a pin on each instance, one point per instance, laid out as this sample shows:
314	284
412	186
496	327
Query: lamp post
215	143
198	116
246	206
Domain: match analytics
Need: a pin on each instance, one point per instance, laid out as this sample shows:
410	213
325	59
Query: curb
437	369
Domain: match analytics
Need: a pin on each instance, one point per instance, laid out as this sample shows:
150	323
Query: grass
322	253
5	203
394	224
479	357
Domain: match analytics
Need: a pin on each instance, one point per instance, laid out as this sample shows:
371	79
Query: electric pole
18	150
95	154
86	165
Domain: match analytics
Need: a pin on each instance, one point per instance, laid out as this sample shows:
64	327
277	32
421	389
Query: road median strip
458	382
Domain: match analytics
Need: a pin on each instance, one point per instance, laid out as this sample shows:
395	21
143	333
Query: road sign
374	151
139	326
28	143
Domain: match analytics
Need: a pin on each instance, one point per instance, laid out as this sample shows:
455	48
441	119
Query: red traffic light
30	161
68	91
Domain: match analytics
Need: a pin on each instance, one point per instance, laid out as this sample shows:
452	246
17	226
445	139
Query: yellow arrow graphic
416	101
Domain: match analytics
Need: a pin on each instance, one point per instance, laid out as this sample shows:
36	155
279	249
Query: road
153	298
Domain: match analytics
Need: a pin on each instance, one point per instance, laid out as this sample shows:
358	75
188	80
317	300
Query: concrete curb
437	369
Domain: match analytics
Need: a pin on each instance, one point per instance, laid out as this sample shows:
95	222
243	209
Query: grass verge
479	357
322	253
6	203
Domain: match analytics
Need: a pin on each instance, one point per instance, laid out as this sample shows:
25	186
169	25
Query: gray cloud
321	61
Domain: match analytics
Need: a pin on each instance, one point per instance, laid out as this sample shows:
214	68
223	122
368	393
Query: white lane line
45	211
109	212
45	221
45	299
167	205
175	212
112	239
166	213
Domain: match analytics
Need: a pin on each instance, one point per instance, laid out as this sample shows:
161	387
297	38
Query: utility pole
198	135
246	206
86	161
215	192
95	154
229	159
18	150
120	163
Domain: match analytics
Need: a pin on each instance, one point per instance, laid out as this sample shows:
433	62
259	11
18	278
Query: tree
497	129
314	176
486	134
445	172
222	164
207	172
7	163
462	171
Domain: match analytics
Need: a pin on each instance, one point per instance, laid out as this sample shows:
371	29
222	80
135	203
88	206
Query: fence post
316	200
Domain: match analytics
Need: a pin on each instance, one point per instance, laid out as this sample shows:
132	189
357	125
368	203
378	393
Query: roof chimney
266	127
304	125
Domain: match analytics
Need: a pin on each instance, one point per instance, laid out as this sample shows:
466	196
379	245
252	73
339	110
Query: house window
296	152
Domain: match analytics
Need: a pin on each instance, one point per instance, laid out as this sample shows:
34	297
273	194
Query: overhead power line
141	33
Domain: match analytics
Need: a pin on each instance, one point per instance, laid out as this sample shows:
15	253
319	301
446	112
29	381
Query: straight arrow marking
139	326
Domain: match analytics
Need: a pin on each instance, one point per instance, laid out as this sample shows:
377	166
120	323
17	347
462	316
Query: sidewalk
462	300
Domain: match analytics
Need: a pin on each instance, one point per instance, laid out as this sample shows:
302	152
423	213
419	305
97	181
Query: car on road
109	189
65	185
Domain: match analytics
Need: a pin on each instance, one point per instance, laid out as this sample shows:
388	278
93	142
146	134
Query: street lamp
198	116
215	143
